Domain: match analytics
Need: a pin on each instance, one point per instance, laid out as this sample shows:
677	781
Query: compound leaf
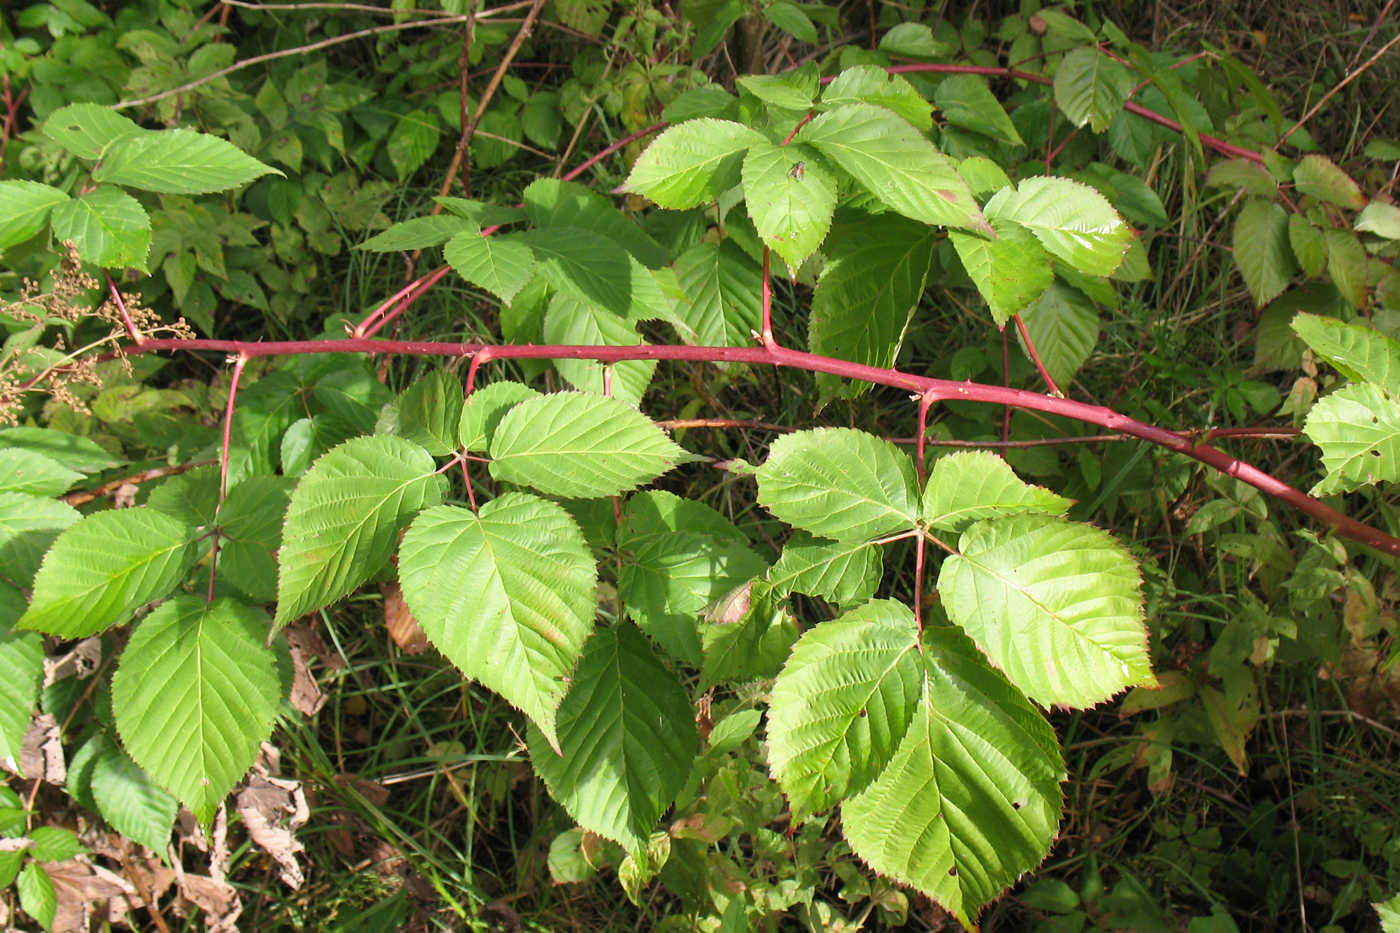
507	595
722	288
485	408
345	517
26	471
845	572
86	129
109	227
21	673
195	694
1320	177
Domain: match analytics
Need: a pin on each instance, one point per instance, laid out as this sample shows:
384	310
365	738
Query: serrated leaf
789	198
191	497
177	162
28	526
418	233
1064	326
842	703
580	445
680	557
790	19
24	209
1346	265
867	294
572	322
550	202
873	85
103	568
1010	272
481	213
1073	222
783	91
593	268
345	517
25	471
131	802
109	227
412	141
507	595
746	636
1380	218
969	486
194	695
845	572
627	735
1245	175
1307	244
37	896
896	164
86	129
1054	604
71	450
1360	353
500	264
722	286
1091	88
251	521
430	410
965	100
971	798
21	673
692	163
1320	177
1358	429
484	410
839	483
913	40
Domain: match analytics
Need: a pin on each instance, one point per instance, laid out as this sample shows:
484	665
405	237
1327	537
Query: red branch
935	390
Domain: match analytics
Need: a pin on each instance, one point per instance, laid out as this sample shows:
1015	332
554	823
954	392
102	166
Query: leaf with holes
194	695
507	595
1358	429
1055	604
971	797
345	517
103	568
582	446
626	739
86	129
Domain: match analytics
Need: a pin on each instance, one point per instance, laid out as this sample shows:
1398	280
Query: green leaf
191	497
194	695
896	164
507	595
680	557
747	636
500	264
1358	429
971	799
712	19
1054	604
692	163
251	521
86	129
1010	272
1307	244
28	526
1380	218
1073	222
723	287
418	233
842	704
790	197
1346	265
25	471
1064	326
571	321
966	101
412	141
109	227
21	673
839	483
790	19
913	40
345	517
1092	88
550	202
54	844
1360	353
867	294
105	567
595	269
71	450
580	445
430	410
871	84
37	896
177	162
1320	177
24	209
845	572
481	213
969	486
793	90
1245	175
131	802
484	410
627	736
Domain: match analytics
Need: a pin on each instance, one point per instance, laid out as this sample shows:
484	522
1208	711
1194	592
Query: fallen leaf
403	627
272	810
41	754
80	888
81	661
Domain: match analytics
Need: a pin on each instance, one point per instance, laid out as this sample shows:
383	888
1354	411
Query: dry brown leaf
41	754
403	627
80	889
81	661
272	810
216	900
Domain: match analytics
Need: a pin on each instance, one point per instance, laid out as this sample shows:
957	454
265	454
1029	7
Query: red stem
935	389
238	365
622	143
1035	358
117	299
767	335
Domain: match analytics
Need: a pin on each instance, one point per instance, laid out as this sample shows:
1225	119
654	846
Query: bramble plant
541	539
